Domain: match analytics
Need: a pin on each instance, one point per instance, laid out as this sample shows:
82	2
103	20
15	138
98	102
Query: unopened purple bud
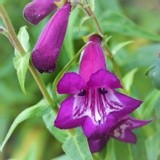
35	11
49	44
93	58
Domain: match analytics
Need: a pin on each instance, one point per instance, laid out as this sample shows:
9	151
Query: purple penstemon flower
37	10
49	44
121	131
93	103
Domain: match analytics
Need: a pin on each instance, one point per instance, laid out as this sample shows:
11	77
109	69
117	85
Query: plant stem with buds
16	43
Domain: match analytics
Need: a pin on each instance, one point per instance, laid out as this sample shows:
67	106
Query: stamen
82	93
102	91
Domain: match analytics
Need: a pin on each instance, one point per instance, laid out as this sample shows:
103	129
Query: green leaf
36	110
118	23
48	119
122	151
152	147
21	63
84	20
111	151
76	146
63	157
120	46
23	37
128	79
106	39
148	105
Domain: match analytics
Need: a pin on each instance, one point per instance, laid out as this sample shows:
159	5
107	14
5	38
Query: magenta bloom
121	131
35	11
93	103
48	46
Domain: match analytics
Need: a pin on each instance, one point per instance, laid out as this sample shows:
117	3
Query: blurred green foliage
125	20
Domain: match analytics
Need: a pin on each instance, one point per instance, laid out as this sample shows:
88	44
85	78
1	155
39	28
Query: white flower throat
97	103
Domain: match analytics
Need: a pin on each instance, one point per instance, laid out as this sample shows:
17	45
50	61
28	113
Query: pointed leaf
76	146
36	110
106	39
128	79
21	65
48	119
84	20
23	37
120	46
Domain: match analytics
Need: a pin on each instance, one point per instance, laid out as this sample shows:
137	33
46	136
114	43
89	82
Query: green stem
91	14
16	43
107	50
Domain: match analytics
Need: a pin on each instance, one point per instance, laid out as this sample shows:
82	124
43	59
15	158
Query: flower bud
35	11
93	58
49	44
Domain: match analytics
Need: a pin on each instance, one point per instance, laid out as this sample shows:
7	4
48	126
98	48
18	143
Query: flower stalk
16	43
90	13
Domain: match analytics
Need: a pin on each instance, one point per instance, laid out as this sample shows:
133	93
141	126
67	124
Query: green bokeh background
31	140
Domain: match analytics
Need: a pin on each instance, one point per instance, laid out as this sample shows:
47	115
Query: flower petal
98	144
126	136
127	103
135	123
104	78
48	46
123	129
70	83
35	11
92	59
65	119
96	131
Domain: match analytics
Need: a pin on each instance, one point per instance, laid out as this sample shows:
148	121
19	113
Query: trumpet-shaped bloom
121	131
35	11
48	46
94	103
